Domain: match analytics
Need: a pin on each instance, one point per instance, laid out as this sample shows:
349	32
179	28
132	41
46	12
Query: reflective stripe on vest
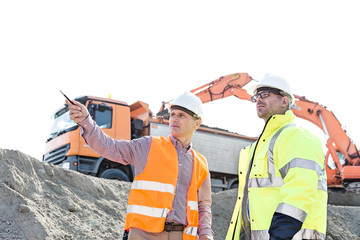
153	186
272	181
192	231
193	205
291	211
148	211
307	164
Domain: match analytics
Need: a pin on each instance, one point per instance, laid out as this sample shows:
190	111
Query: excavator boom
230	85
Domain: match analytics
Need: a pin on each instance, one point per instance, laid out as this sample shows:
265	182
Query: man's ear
285	102
197	123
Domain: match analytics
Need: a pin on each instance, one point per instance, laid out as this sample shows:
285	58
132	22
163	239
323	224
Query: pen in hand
67	97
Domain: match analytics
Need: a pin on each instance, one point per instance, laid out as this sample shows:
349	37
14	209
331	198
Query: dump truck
66	147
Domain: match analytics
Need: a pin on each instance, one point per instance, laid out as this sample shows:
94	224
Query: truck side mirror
102	107
137	125
92	108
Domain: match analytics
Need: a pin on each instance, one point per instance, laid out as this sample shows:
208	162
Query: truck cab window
101	113
61	123
104	118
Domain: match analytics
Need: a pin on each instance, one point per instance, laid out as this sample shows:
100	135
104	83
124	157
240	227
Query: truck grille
57	155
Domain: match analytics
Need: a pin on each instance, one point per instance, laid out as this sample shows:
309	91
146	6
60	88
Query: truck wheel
235	185
115	174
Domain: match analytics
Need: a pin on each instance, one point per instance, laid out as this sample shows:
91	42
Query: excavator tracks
349	196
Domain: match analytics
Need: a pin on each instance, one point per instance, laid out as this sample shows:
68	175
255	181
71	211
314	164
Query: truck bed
220	147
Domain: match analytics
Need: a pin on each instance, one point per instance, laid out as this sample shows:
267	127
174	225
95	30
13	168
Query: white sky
155	50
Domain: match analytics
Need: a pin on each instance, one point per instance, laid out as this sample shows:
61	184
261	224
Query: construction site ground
42	201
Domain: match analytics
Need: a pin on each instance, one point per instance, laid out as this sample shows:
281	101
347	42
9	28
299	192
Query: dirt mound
42	201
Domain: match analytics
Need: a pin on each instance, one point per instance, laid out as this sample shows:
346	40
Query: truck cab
65	146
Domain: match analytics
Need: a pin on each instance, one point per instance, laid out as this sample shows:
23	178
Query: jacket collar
277	121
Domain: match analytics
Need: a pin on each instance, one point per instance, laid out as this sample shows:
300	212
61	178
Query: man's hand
205	237
77	112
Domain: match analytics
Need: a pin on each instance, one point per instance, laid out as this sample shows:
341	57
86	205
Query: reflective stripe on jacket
287	176
152	192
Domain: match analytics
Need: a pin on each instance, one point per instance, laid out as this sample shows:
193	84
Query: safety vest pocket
258	168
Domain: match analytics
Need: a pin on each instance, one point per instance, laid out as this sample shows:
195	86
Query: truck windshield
61	123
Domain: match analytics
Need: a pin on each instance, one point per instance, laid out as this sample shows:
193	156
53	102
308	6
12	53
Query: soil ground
42	201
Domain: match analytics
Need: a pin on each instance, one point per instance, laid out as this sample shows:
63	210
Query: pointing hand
78	112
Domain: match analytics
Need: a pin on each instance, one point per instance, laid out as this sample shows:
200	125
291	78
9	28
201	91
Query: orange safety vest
152	192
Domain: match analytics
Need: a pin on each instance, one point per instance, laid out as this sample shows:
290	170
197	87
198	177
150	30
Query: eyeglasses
264	94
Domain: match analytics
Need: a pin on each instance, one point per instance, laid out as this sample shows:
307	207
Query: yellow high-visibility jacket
287	177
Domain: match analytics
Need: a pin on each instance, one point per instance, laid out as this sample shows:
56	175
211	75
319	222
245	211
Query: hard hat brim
252	91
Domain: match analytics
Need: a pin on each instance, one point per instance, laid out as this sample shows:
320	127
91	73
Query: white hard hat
273	82
190	102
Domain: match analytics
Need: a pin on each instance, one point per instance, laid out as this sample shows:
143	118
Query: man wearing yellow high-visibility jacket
282	180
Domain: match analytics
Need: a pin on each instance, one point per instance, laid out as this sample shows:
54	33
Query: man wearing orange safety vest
282	180
170	197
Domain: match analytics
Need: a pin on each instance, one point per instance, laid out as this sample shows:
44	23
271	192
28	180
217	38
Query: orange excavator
341	149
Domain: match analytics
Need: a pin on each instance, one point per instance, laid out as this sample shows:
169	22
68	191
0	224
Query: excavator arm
230	85
338	143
